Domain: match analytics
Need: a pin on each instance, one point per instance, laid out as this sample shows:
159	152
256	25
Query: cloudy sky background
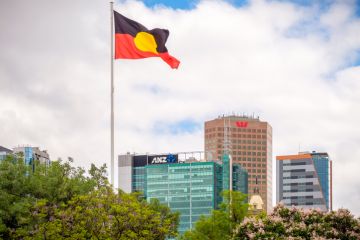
296	65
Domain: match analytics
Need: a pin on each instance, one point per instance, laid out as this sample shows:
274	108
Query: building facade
249	141
185	184
305	180
32	154
4	152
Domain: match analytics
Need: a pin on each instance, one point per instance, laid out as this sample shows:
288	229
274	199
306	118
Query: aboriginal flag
134	41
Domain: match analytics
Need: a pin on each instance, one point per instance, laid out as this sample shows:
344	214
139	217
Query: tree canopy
63	202
297	224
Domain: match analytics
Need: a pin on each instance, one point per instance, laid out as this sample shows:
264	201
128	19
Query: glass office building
188	186
305	180
32	154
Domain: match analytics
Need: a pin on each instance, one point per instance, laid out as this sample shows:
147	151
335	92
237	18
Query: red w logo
241	124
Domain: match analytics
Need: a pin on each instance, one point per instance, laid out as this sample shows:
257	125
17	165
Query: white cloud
289	64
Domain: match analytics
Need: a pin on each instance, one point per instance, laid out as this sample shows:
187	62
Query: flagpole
112	90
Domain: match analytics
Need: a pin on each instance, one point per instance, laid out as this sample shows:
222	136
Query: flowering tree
293	223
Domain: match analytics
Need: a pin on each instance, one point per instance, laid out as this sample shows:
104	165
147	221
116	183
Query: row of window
299	190
299	184
256	170
197	197
258	182
299	177
255	136
307	203
236	129
249	147
257	176
189	176
179	183
299	197
249	153
294	170
237	153
246	141
295	163
262	165
170	189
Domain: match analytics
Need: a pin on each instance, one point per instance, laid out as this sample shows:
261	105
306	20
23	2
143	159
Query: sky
295	64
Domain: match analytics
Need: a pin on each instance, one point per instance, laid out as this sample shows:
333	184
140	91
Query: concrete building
182	181
305	180
4	152
249	141
33	154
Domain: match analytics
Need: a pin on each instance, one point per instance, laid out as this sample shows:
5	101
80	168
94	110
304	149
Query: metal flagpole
112	90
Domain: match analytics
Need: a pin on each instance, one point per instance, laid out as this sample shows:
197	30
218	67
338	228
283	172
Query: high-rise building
304	180
32	154
4	152
183	181
249	141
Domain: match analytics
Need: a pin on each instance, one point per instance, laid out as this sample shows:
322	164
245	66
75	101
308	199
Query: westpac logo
241	124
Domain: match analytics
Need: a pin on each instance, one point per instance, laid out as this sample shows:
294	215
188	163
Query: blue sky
189	4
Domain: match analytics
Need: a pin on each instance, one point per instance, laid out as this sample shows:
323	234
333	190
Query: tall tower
249	142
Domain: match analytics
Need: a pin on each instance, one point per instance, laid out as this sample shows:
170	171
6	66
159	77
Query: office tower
4	152
249	142
182	181
304	180
32	154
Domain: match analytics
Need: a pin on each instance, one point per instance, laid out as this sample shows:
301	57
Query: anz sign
161	159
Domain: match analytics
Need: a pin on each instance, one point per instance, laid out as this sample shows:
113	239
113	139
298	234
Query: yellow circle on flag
145	42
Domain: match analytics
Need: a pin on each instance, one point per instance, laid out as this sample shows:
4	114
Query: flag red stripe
125	48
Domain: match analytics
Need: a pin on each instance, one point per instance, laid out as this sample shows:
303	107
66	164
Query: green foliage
292	223
221	223
61	202
102	214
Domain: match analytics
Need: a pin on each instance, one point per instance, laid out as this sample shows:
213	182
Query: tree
102	214
293	223
22	186
62	202
221	223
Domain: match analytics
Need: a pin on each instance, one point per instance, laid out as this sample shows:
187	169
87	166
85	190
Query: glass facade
190	187
321	163
138	179
226	171
28	155
240	179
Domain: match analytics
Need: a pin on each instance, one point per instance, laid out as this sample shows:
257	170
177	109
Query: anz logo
159	160
171	158
164	159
